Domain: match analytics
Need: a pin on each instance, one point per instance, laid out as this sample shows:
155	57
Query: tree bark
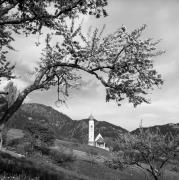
156	178
16	105
154	175
1	135
1	139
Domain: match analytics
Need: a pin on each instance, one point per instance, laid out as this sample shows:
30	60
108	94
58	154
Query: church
92	141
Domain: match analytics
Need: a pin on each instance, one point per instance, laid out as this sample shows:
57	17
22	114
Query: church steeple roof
91	117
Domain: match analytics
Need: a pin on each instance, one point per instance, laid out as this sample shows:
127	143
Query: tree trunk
13	108
155	176
16	105
3	109
1	140
1	135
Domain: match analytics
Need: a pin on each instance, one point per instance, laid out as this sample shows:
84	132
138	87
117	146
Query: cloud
20	84
27	99
88	89
3	83
148	116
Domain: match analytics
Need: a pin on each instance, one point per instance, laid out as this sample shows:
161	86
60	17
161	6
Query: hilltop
75	130
166	129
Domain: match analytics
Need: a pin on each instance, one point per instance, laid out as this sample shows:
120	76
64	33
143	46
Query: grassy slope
88	169
85	168
35	168
95	170
83	147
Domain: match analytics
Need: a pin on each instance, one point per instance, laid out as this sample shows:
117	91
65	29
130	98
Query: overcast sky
161	16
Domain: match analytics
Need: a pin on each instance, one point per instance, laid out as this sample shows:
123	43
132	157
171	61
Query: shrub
116	147
115	163
13	142
92	152
175	168
43	149
6	176
40	133
61	156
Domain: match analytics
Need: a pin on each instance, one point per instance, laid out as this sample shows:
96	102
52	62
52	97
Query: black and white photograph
89	90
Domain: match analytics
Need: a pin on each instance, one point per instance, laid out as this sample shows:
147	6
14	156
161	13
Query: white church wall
91	140
91	132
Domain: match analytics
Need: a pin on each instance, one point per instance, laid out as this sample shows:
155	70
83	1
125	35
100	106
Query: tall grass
20	166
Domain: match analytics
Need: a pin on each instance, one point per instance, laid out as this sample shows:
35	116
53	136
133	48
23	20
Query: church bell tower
91	131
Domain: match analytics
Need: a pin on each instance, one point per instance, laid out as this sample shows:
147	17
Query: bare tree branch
3	93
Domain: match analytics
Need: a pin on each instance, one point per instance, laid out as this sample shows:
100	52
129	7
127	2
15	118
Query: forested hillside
63	126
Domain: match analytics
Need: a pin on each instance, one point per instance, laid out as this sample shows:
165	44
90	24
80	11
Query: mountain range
63	126
166	129
76	130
